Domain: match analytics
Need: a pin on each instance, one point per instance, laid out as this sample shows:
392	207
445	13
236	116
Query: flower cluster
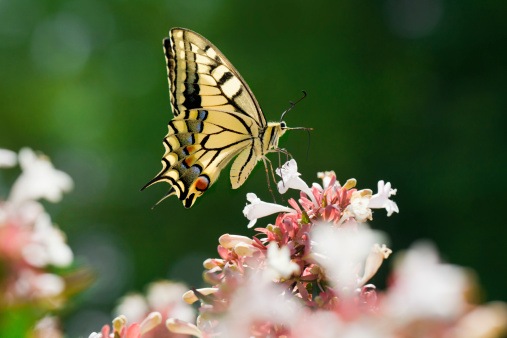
318	255
306	275
31	246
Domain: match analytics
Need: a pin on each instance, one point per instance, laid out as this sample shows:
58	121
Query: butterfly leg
267	162
288	155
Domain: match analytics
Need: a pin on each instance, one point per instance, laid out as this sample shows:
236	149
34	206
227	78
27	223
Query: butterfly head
282	128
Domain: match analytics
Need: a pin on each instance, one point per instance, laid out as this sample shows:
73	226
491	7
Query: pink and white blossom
30	244
39	179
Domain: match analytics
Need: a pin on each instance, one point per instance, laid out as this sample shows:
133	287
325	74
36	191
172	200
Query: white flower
342	251
258	209
426	288
290	179
280	263
7	158
359	205
47	245
381	199
39	179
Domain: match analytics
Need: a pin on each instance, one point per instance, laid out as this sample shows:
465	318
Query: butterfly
216	119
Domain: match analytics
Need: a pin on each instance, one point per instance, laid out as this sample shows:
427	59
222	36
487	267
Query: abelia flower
39	179
358	207
305	275
291	180
258	209
47	245
381	199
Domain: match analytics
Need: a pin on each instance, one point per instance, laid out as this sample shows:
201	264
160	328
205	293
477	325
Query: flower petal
178	326
8	158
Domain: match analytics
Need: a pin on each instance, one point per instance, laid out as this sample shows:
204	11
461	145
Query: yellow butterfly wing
200	76
216	117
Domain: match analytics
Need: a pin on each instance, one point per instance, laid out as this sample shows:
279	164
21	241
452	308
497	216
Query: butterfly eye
283	125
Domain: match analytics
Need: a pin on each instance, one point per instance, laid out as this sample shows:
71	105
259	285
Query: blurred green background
410	91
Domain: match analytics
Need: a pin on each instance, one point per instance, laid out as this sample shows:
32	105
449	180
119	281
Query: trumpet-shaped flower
290	179
381	199
258	209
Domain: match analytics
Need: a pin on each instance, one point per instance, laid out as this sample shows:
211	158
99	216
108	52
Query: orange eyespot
188	161
202	183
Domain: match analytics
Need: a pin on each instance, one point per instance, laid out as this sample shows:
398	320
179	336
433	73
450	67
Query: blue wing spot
203	114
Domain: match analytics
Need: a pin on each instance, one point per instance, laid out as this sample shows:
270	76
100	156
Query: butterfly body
216	119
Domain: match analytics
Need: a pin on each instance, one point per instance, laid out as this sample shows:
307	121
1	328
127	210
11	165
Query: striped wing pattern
216	117
201	77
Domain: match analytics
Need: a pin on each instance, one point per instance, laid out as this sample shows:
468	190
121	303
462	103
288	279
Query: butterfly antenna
293	104
267	162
